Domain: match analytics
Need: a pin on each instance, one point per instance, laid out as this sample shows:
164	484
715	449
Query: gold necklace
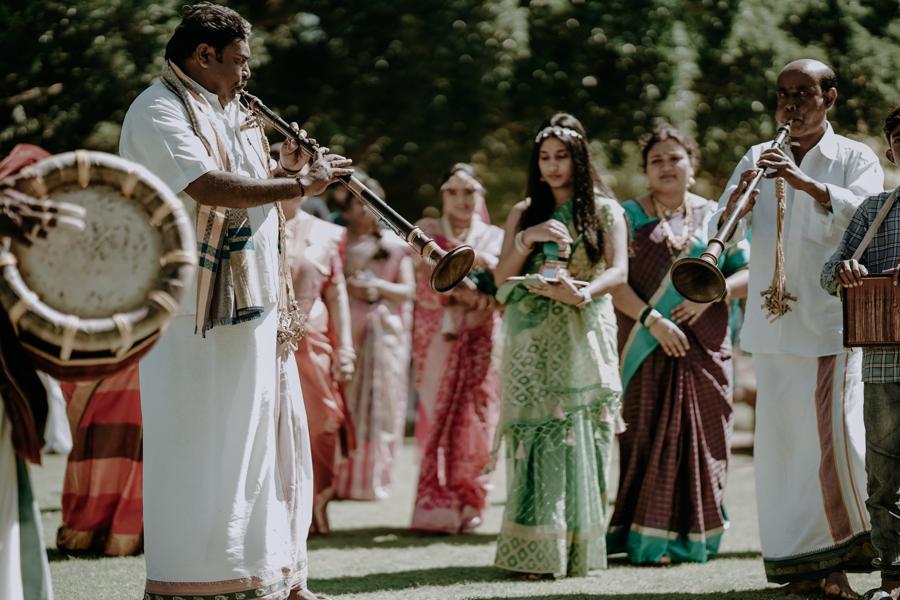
675	243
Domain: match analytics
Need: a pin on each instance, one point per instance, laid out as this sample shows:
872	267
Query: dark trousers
882	419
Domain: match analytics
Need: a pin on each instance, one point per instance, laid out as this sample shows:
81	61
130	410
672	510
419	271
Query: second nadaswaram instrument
449	268
699	279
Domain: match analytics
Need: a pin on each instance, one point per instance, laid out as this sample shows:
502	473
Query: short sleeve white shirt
157	133
813	327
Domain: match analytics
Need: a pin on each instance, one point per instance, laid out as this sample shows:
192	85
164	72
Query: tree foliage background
408	87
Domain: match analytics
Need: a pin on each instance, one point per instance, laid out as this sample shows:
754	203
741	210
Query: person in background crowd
381	282
325	354
453	340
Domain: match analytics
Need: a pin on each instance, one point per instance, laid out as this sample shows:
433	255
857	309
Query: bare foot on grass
802	588
838	586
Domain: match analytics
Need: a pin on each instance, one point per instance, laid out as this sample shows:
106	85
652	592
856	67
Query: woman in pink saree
325	355
456	383
381	284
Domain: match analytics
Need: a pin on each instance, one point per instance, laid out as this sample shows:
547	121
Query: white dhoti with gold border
227	464
810	465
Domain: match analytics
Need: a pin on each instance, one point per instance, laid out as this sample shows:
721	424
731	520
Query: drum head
106	269
86	304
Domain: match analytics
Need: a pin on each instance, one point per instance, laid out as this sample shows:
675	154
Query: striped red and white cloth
102	501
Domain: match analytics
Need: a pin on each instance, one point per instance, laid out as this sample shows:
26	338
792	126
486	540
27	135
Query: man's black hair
206	23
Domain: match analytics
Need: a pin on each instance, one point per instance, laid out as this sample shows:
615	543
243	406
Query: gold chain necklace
675	243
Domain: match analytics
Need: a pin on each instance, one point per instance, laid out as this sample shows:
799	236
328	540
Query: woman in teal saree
560	385
676	371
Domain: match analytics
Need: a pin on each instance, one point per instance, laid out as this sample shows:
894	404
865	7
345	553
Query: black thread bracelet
646	313
289	171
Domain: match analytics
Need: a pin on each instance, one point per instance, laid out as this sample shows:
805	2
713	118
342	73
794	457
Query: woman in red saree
325	355
381	284
102	501
456	383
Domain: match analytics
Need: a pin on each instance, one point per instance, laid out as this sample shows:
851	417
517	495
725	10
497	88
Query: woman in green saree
560	382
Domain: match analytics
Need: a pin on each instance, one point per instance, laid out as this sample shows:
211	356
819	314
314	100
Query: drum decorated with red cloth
88	304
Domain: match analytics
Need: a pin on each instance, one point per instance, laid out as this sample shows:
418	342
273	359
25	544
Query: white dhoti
227	464
810	465
24	572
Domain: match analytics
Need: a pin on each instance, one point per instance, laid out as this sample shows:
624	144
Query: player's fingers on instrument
70	223
855	273
843	274
67	209
340	172
34	231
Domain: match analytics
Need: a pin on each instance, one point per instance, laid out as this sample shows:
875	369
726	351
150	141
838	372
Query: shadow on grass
57	555
621	560
392	537
447	576
749	595
404	580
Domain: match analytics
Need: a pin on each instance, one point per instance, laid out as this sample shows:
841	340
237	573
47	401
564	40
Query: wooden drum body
88	304
872	313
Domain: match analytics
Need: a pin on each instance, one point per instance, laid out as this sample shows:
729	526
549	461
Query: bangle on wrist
286	170
586	297
519	243
644	314
652	318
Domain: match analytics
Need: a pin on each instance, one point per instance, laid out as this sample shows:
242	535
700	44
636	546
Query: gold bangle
519	243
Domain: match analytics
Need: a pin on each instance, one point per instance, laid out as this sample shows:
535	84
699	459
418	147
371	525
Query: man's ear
890	155
830	97
204	54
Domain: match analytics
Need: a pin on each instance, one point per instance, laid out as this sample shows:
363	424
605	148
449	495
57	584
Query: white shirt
850	171
157	133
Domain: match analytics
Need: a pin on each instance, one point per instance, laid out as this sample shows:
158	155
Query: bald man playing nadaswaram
810	439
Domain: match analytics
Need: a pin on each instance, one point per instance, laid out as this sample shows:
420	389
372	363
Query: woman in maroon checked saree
676	370
457	386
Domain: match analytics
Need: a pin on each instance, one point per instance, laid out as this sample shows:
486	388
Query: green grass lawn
372	556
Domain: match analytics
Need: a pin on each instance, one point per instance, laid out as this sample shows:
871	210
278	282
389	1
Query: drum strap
876	225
